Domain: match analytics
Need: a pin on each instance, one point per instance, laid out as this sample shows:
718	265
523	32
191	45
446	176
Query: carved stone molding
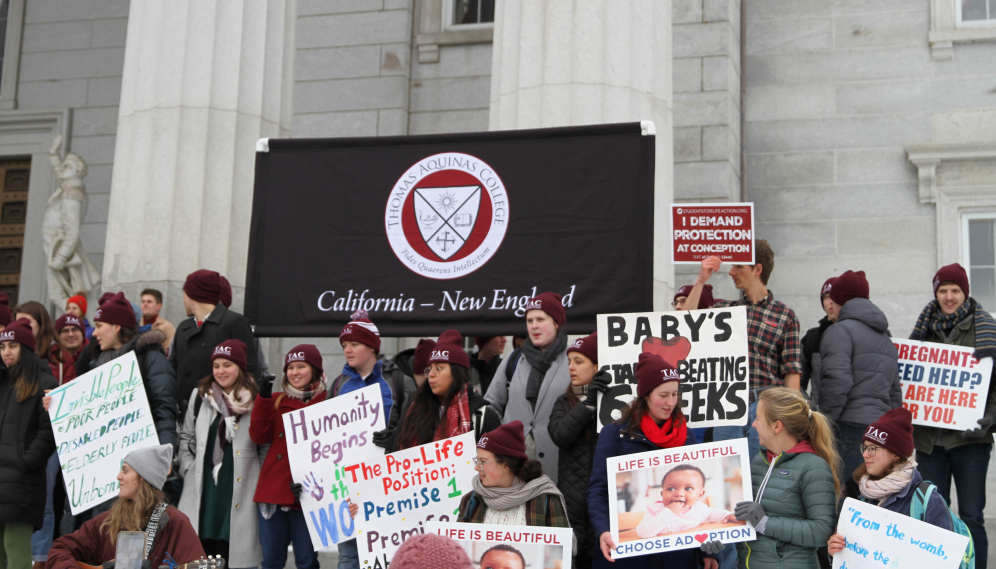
945	31
927	158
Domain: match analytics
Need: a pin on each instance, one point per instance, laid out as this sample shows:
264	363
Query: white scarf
890	484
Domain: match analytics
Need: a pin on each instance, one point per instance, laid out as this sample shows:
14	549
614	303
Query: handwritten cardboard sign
678	498
510	546
724	230
98	418
400	492
319	437
709	348
943	385
876	537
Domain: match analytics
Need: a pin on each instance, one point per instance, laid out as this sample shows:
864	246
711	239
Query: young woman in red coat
281	521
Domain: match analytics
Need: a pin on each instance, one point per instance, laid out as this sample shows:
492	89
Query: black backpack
513	360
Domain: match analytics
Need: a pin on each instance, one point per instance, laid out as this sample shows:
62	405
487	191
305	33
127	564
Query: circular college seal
447	215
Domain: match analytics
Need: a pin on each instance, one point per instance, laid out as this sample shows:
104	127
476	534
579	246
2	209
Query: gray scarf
540	361
516	495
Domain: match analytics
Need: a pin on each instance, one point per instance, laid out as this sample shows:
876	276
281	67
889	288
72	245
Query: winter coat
812	362
26	443
266	427
545	510
801	506
924	437
166	328
860	366
193	346
90	545
615	441
510	404
399	372
244	547
350	381
482	372
158	378
573	430
936	513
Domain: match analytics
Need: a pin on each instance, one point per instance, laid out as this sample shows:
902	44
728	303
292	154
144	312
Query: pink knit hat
433	551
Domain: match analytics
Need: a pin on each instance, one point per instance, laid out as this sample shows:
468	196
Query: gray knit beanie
151	463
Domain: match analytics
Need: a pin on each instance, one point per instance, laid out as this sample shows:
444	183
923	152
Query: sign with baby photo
502	546
708	347
678	498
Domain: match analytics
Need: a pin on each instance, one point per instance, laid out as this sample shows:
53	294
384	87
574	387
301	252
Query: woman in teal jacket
795	484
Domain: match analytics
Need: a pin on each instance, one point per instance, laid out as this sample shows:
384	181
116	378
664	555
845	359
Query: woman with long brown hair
141	506
572	428
795	509
43	329
219	460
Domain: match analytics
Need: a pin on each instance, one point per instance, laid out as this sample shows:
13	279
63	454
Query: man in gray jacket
860	367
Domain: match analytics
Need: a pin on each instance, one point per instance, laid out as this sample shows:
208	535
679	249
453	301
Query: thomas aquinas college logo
447	215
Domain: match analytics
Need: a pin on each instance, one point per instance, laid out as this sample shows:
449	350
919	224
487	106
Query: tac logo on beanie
361	330
447	215
876	435
68	320
587	346
231	350
449	349
551	303
893	431
307	353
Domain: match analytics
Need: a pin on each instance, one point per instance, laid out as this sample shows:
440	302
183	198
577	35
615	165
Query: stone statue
69	269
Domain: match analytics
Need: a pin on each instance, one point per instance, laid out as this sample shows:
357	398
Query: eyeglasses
678	303
478	463
871	450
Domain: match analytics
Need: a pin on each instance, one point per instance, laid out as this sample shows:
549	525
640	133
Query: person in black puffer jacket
572	428
812	362
26	441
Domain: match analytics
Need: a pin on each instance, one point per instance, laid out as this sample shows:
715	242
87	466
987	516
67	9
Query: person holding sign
141	506
538	379
281	521
443	406
889	477
953	317
652	421
26	443
572	428
385	439
795	484
511	489
219	461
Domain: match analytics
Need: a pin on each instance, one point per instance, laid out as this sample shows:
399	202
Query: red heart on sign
673	350
702	537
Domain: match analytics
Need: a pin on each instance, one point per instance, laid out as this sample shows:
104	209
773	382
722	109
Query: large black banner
450	231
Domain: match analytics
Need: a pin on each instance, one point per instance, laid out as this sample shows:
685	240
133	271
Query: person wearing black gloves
572	428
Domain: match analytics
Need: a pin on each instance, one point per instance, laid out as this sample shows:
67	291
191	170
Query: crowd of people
824	408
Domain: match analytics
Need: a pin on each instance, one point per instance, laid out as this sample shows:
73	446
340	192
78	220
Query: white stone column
203	81
577	62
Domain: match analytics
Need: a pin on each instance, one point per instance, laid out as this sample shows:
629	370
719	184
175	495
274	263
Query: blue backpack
918	509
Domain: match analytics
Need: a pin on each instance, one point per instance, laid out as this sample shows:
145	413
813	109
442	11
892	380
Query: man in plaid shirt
772	330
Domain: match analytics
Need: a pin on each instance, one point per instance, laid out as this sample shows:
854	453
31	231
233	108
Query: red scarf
457	417
667	435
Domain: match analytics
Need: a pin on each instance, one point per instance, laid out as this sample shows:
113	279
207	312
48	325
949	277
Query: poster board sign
97	419
399	493
651	509
709	348
876	537
319	438
510	546
724	230
943	385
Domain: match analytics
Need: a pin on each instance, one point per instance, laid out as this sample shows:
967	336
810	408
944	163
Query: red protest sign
724	230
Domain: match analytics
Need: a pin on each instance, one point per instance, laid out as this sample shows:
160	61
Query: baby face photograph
510	547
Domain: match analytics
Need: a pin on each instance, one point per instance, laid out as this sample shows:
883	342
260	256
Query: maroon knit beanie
69	320
893	431
827	287
551	303
849	285
479	341
361	329
506	440
706	299
231	350
422	352
19	331
104	298
652	372
203	286
116	310
431	550
308	354
449	349
5	315
226	292
953	273
587	347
